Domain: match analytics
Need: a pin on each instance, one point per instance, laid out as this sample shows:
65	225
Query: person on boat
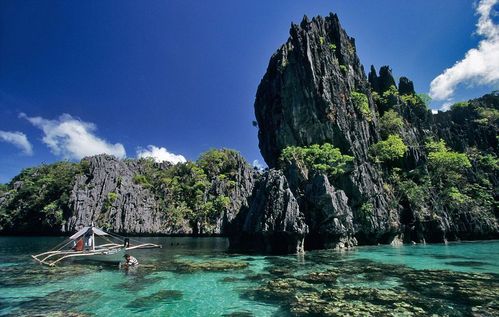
78	245
130	261
89	240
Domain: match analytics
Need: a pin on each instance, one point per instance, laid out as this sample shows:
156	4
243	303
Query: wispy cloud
160	154
446	105
18	139
480	65
257	164
72	138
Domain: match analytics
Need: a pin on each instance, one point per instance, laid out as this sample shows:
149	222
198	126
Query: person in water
130	261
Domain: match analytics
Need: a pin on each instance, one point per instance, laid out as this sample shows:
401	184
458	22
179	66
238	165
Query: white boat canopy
84	230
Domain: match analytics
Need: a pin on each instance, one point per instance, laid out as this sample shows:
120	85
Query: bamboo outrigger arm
145	246
108	251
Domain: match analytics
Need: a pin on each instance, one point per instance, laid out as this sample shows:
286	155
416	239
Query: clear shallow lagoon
197	277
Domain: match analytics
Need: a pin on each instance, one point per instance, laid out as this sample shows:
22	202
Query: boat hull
111	256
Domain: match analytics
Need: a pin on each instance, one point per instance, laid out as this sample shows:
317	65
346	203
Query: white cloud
446	105
160	154
257	164
19	140
72	138
480	65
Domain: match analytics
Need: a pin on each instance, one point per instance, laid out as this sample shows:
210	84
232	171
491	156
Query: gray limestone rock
108	196
305	98
273	223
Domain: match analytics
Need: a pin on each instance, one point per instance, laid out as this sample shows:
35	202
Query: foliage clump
415	100
460	105
343	69
391	149
185	190
112	196
41	199
141	180
446	165
324	158
391	123
487	116
361	104
390	96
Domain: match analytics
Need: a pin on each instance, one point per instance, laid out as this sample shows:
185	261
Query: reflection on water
196	277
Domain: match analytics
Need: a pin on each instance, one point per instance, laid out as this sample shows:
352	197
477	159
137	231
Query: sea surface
198	277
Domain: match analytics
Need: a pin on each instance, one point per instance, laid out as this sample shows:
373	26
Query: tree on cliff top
41	200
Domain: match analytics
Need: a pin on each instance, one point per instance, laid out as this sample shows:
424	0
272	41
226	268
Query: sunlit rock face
109	196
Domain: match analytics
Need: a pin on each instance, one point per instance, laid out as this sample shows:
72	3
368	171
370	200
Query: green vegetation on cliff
455	182
393	148
446	166
38	197
324	158
391	123
186	191
193	194
361	103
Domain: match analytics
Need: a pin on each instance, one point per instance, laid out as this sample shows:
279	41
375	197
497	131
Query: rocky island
353	160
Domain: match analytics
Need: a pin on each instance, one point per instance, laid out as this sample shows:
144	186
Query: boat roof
84	230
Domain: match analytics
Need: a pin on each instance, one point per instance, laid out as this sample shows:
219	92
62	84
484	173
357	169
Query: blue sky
160	77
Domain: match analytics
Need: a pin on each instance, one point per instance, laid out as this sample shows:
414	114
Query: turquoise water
197	277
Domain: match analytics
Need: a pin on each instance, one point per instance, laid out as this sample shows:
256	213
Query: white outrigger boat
83	245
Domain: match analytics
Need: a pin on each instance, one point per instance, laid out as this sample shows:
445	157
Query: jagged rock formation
108	196
273	222
125	196
304	98
315	91
384	81
330	215
307	96
467	126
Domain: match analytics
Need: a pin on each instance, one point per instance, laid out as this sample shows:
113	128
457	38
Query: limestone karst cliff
414	176
353	159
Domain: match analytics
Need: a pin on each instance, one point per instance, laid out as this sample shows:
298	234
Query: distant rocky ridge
127	196
315	91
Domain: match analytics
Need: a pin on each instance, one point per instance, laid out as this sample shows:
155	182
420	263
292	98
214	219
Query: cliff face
273	223
304	98
310	95
107	195
307	97
129	196
353	160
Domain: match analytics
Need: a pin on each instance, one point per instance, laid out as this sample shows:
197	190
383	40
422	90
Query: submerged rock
163	296
58	303
328	277
185	266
